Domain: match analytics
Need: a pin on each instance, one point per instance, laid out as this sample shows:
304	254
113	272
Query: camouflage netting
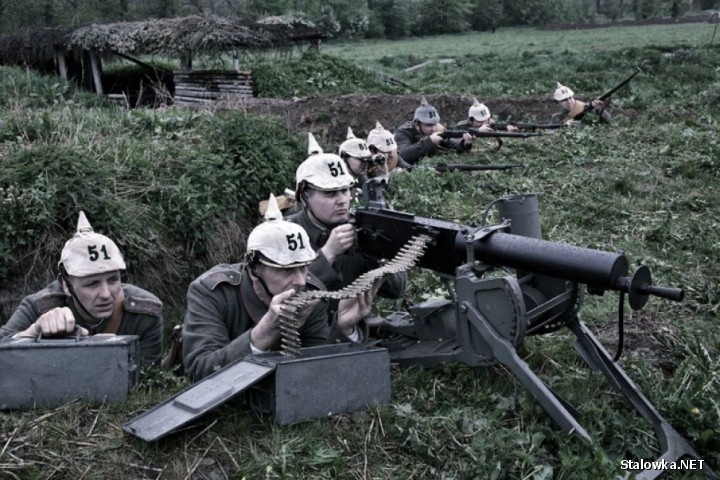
35	48
196	34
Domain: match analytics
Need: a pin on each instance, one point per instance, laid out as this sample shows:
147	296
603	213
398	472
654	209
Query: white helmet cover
478	111
426	113
354	147
89	253
282	244
381	139
325	171
562	93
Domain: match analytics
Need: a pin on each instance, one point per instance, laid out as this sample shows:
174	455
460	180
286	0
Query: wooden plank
62	64
96	66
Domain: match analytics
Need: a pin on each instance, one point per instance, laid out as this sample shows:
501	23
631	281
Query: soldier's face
97	293
329	208
357	167
567	104
279	280
428	128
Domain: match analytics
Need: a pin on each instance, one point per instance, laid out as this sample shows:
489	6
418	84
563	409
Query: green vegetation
178	189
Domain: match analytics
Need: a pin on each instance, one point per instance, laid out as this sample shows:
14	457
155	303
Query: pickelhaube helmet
426	113
323	171
562	93
381	139
279	243
478	111
89	253
354	147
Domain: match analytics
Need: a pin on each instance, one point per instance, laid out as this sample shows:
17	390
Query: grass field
646	185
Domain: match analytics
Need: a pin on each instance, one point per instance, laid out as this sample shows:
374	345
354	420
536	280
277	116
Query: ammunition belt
403	261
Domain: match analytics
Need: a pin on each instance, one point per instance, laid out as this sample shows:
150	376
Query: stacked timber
209	86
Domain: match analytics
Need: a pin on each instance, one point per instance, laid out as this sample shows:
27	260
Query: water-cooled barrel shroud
381	233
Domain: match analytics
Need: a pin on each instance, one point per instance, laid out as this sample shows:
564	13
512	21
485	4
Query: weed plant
170	185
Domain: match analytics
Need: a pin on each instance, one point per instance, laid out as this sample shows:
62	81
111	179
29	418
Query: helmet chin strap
83	311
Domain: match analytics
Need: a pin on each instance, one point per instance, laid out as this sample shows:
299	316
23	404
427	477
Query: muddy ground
328	117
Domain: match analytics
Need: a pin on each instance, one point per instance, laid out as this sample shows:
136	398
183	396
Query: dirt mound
328	117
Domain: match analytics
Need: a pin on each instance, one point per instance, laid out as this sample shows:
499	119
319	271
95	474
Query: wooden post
62	64
96	66
236	61
186	61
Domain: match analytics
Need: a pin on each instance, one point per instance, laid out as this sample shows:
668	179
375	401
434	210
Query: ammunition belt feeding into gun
403	261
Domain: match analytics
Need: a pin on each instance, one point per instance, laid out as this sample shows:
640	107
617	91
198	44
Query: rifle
477	133
617	87
486	319
466	167
528	126
498	136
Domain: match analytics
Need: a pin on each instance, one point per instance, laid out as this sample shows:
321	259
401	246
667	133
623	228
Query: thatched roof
196	34
35	48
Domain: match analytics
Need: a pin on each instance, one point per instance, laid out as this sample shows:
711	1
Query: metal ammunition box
322	381
49	372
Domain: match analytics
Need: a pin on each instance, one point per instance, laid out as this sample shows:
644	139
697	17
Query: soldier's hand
352	310
267	330
512	128
468	139
486	128
435	138
58	321
598	105
340	240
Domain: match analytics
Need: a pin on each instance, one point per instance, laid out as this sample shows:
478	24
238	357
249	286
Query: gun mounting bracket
481	233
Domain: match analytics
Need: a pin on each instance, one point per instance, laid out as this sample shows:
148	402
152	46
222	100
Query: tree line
351	18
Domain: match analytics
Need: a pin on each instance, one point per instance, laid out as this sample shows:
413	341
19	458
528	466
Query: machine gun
486	319
614	89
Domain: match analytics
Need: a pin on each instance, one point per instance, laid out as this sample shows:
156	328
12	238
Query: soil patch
328	117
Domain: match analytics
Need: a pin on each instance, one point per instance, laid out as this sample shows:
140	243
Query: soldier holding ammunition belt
233	310
421	137
89	295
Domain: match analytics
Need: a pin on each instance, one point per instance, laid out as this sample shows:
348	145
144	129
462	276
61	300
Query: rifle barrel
465	167
476	133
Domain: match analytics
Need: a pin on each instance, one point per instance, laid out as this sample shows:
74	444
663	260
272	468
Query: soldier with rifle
479	118
421	137
576	109
89	298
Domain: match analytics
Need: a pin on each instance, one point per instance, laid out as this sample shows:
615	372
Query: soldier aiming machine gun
482	325
488	318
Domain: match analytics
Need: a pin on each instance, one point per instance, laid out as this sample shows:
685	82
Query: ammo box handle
75	333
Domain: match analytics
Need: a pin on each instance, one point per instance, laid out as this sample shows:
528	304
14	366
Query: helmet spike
313	145
273	210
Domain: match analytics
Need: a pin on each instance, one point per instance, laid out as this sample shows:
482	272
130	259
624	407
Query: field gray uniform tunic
348	266
413	145
222	309
142	316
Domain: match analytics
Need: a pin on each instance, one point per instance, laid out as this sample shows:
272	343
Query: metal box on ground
49	372
318	382
322	381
